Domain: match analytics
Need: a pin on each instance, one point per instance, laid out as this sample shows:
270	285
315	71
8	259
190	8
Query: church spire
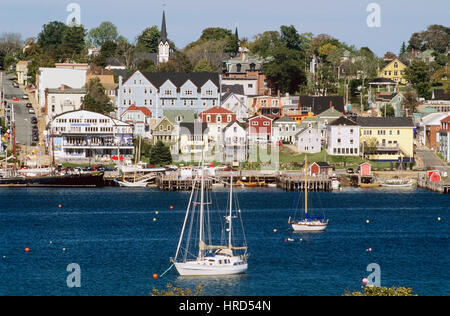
163	29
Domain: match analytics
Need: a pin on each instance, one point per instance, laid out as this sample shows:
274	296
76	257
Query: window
229	118
219	118
395	65
168	92
254	123
208	118
209	92
266	123
188	92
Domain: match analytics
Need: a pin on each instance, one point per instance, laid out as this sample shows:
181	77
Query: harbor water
120	237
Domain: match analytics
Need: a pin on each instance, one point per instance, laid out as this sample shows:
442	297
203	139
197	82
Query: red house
260	129
320	168
365	169
217	115
434	176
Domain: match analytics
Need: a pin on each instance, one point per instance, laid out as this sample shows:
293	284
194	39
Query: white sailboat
210	259
308	224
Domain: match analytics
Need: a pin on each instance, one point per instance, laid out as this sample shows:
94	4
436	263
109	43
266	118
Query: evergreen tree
96	99
160	154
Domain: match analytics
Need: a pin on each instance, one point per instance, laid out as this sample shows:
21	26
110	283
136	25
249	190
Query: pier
295	183
442	186
171	183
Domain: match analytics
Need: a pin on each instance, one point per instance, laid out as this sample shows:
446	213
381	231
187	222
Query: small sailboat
134	184
208	259
309	223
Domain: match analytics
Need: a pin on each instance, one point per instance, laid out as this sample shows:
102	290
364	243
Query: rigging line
166	271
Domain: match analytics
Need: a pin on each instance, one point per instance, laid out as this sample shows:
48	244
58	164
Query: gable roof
193	128
217	110
180	78
385	121
237	89
171	115
143	109
320	104
343	121
446	120
285	119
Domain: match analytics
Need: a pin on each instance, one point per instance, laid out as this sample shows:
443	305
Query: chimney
62	87
278	93
331	104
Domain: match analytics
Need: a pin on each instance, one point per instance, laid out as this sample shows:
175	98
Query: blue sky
343	19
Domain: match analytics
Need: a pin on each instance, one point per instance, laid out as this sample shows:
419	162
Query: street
21	115
430	160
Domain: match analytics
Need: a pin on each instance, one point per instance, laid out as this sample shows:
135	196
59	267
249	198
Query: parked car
34	120
15	84
29	105
35	138
350	170
25	97
31	111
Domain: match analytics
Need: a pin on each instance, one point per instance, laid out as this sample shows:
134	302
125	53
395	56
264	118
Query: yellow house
389	139
394	70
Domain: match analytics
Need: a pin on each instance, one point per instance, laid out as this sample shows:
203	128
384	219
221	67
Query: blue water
111	235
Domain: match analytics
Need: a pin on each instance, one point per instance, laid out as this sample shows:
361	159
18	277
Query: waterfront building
444	138
320	168
389	139
343	137
260	129
439	101
169	91
193	139
310	106
234	146
321	121
308	140
284	130
87	135
139	117
168	133
217	118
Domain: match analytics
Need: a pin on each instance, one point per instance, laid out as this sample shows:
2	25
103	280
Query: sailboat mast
231	210
306	184
202	208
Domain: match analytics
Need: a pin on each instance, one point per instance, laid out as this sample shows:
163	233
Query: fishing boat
398	183
251	184
136	184
308	223
203	258
370	185
93	179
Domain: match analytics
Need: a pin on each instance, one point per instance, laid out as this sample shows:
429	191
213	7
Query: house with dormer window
169	91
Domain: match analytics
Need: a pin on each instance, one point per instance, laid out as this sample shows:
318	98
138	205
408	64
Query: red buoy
171	207
155	276
27	249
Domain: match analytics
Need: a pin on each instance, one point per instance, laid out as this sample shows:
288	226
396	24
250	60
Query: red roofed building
217	119
260	129
444	138
140	117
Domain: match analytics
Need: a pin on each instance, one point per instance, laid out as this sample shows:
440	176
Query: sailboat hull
200	268
132	184
309	226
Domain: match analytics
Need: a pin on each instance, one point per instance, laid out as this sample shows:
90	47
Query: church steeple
164	46
163	29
